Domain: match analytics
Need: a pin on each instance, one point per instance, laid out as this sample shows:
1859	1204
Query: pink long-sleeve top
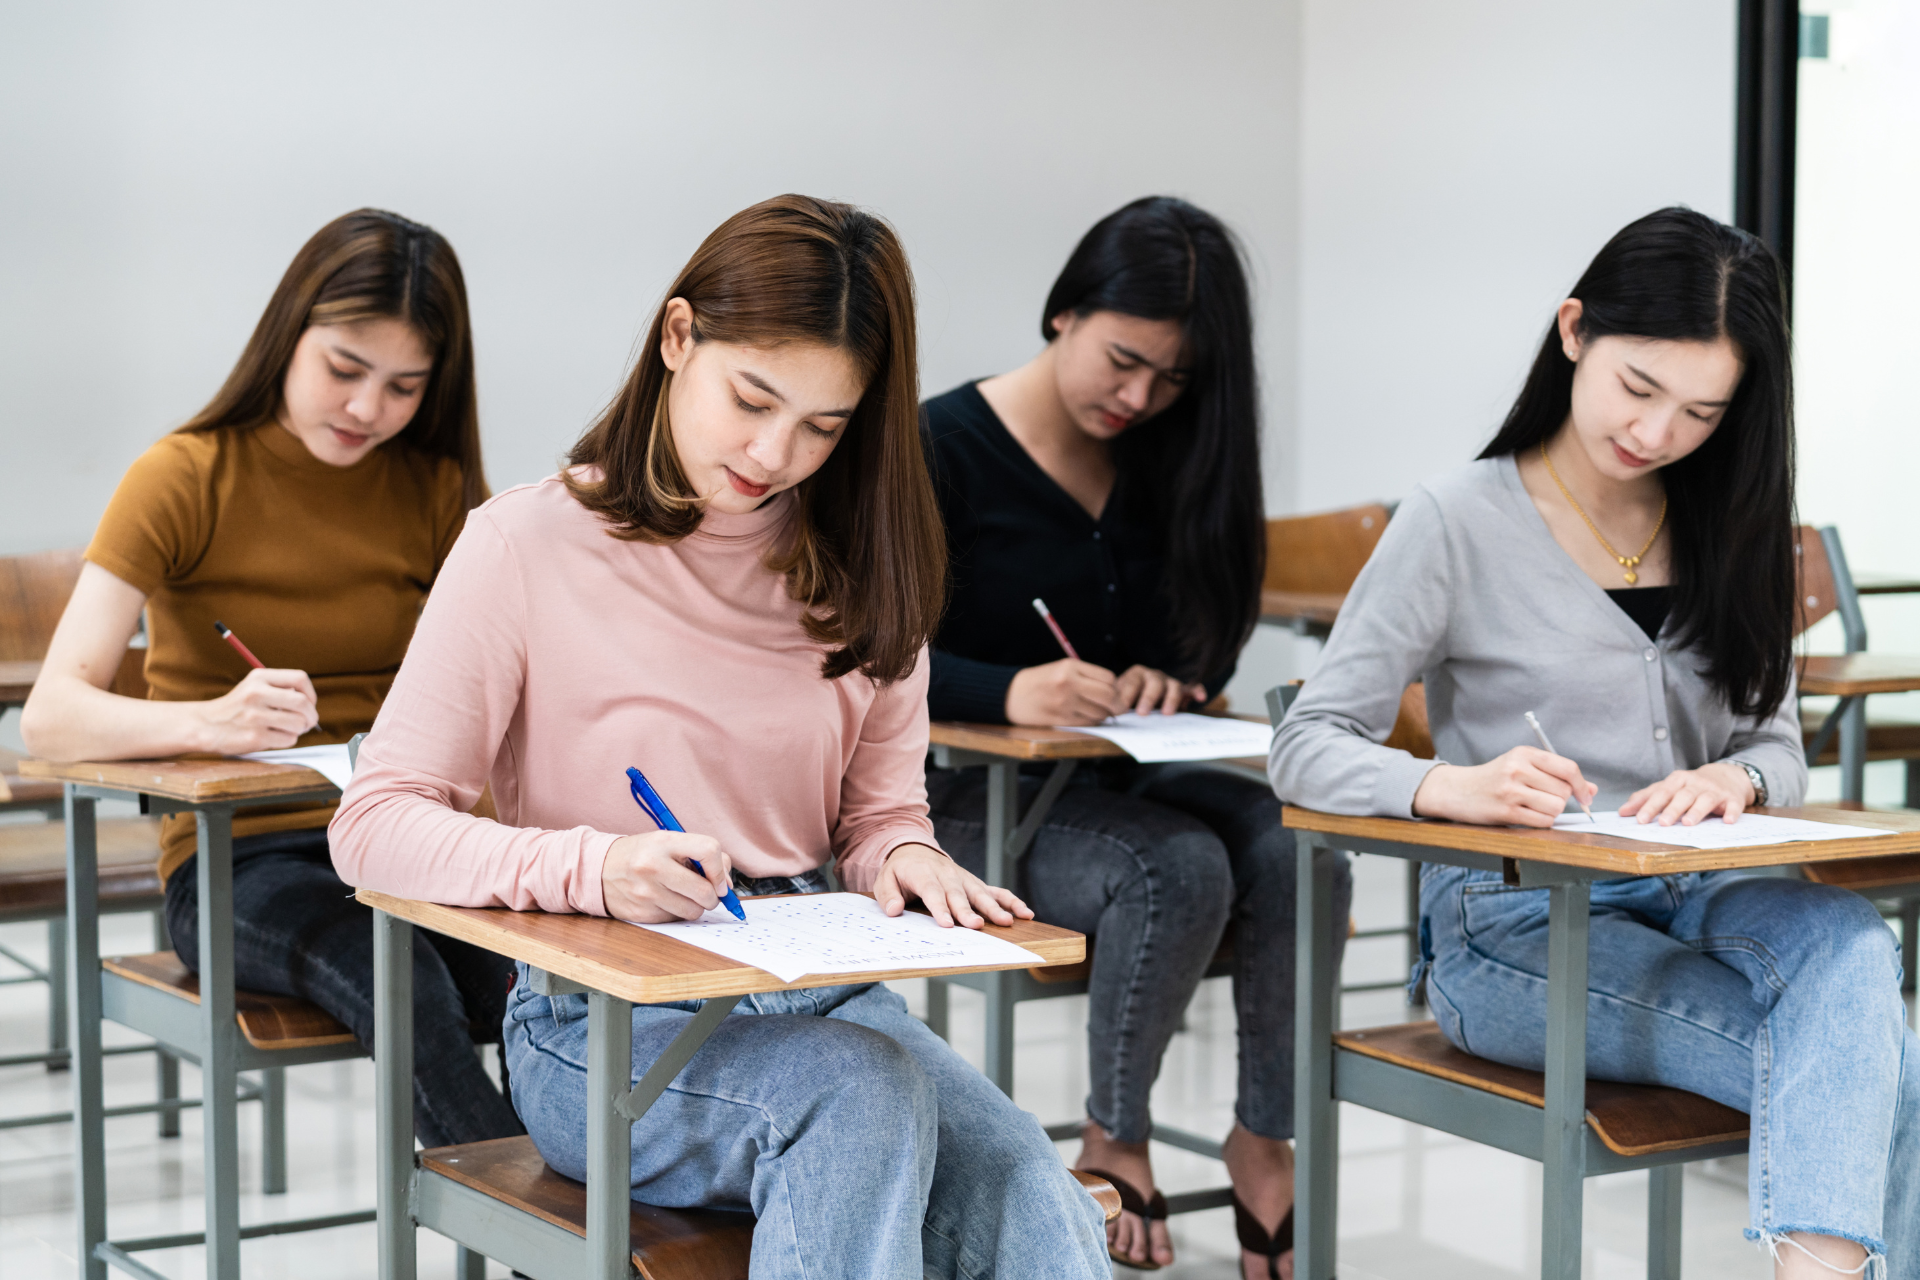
551	656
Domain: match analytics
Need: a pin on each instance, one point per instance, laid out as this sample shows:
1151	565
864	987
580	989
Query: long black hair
1680	276
1198	460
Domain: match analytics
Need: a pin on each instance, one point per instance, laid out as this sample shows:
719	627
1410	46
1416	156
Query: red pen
244	652
1046	615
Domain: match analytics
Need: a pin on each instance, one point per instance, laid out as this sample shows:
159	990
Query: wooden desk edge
258	781
1016	742
726	978
1610	853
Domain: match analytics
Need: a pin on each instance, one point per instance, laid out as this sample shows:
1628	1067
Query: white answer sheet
1714	833
828	933
1153	738
330	761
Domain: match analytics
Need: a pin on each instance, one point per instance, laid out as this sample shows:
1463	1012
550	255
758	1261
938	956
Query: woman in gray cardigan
1620	562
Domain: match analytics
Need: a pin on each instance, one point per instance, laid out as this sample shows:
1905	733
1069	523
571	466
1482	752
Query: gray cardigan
1469	592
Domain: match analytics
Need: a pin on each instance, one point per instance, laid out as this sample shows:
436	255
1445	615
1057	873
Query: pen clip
640	799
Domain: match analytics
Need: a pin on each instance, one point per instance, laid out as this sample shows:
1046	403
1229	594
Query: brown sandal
1254	1237
1149	1211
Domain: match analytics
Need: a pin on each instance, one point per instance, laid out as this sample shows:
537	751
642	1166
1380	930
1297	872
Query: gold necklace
1628	563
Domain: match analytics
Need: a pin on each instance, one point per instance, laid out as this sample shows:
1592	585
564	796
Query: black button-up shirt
1013	534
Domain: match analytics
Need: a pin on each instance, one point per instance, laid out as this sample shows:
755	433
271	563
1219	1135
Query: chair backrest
1814	593
1322	553
33	592
1410	730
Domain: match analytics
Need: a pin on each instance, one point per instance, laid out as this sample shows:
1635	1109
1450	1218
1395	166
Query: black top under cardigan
1014	534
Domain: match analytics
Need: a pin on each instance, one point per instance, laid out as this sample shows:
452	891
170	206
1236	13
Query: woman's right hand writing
268	710
1526	787
1065	692
646	878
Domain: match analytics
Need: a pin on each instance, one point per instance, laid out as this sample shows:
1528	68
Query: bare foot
1128	1236
1262	1173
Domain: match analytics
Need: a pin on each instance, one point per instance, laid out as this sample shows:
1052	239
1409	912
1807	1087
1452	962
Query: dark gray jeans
297	931
1153	862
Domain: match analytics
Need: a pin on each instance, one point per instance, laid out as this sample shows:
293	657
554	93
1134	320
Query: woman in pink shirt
732	586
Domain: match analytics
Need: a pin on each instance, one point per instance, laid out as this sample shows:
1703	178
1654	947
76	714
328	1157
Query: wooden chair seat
33	867
1632	1119
267	1021
668	1244
1861	875
1886	739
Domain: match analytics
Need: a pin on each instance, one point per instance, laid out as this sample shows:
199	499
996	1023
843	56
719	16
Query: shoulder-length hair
1197	463
1680	276
865	551
369	265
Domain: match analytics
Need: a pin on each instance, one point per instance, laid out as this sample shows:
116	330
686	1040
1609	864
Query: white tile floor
1414	1203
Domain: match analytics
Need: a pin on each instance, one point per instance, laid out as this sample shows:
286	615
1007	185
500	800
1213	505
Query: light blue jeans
1778	997
862	1143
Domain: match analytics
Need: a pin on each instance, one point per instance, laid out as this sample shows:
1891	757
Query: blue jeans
1777	997
863	1145
1153	863
297	931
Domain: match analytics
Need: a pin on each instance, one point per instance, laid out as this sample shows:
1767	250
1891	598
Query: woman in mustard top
309	507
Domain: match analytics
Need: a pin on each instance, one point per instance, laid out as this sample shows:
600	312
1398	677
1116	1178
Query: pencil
1546	746
234	640
1046	615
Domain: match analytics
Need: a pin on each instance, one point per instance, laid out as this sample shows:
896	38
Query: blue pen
648	799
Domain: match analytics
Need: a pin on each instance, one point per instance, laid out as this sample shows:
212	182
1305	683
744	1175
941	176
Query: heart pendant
1632	578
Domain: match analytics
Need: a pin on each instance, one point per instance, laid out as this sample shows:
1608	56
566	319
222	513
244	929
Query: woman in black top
1116	476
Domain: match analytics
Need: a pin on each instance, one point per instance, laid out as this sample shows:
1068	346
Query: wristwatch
1759	782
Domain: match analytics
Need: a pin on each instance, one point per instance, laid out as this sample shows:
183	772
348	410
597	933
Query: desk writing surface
1568	846
1851	674
649	968
193	779
1885	584
16	682
1021	742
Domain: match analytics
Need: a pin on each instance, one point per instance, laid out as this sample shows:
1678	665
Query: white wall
1460	163
163	162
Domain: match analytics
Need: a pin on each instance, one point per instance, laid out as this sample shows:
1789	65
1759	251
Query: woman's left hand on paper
952	894
1689	796
1143	689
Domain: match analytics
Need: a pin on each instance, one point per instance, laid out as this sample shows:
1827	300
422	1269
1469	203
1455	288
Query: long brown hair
366	265
866	552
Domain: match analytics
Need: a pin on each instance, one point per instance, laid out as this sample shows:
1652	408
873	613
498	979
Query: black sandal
1254	1237
1149	1210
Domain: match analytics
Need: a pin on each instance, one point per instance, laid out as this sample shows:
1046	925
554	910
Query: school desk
1557	1126
16	682
1851	677
459	1191
199	1019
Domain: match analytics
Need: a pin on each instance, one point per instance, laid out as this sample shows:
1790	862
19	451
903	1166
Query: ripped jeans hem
1874	1268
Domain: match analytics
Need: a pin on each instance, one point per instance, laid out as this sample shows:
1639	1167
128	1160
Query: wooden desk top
1022	742
1885	584
649	968
1574	848
193	779
16	682
1849	674
1313	606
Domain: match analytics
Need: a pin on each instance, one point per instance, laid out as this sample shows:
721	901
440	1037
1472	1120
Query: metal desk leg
1564	1148
83	969
166	1067
1315	1128
609	1137
219	1053
1663	1221
57	994
393	1092
1853	750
